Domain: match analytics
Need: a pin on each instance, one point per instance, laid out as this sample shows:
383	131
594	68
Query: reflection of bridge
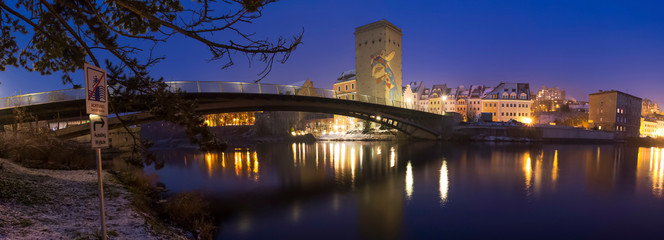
218	97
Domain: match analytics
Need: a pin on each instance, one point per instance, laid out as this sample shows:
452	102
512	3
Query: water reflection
650	166
444	183
388	190
409	181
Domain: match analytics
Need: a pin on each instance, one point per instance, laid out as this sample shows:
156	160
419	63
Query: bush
190	210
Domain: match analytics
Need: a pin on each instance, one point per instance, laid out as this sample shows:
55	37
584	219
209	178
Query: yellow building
345	88
651	128
508	101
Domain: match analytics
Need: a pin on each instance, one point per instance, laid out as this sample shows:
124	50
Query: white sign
99	131
96	99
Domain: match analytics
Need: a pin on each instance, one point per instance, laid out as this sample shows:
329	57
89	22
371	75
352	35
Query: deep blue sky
580	46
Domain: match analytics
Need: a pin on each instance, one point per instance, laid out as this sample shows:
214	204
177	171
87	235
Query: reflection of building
615	111
378	60
508	101
650	170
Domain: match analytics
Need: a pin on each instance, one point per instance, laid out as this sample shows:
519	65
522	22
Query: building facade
508	101
346	86
615	111
649	107
378	60
549	99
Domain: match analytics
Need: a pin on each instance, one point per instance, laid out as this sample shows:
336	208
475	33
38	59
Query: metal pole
101	195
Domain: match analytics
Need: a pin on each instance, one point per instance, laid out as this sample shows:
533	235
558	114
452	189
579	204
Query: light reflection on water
395	190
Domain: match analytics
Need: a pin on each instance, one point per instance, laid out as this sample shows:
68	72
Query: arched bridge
219	97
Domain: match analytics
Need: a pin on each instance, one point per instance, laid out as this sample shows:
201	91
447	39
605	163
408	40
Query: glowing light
393	157
293	133
444	183
352	163
208	159
409	181
444	98
378	118
378	150
255	169
527	169
294	154
657	172
527	120
554	170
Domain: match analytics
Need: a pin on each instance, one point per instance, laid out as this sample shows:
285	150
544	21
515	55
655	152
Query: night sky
580	46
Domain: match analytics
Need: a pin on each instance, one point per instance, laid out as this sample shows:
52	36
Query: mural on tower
382	72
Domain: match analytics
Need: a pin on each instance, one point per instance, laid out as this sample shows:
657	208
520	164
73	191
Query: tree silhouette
64	34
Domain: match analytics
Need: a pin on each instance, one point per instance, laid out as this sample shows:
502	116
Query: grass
24	189
24	223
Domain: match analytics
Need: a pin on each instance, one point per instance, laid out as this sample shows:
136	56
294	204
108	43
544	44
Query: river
425	190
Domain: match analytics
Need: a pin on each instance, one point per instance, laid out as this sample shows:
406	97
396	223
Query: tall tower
378	60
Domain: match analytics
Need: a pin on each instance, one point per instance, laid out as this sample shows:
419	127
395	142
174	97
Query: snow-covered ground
58	204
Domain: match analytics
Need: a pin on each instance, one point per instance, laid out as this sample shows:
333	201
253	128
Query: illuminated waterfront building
508	101
649	107
615	111
345	88
229	119
652	126
412	93
378	60
436	98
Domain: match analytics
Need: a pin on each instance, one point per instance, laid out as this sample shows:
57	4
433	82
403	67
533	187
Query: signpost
96	104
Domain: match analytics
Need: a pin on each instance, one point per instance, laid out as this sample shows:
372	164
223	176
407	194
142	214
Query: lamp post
444	98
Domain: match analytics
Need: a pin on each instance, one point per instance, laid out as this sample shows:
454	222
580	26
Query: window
339	88
503	105
352	97
617	110
352	86
502	114
346	87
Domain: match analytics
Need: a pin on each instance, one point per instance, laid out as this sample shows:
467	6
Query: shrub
190	210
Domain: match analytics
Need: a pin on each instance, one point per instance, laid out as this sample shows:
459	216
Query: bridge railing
266	88
42	97
206	87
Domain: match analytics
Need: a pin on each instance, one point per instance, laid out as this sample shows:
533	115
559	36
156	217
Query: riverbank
64	204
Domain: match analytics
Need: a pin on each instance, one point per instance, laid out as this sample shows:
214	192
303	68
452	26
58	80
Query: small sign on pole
99	131
96	100
96	104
